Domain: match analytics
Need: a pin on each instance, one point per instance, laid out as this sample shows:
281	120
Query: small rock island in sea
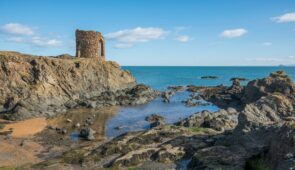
253	129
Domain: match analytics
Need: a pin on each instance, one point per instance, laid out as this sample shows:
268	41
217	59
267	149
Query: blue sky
157	32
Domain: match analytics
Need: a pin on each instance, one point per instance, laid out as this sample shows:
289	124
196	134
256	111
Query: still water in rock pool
133	118
112	121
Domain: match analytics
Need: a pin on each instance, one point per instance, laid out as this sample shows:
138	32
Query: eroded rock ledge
33	86
250	133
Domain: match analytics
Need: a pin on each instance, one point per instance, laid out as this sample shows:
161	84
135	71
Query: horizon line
207	66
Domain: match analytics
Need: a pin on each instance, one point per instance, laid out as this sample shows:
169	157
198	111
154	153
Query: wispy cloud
19	33
287	60
44	42
138	34
267	44
36	41
233	33
288	17
128	37
16	29
183	38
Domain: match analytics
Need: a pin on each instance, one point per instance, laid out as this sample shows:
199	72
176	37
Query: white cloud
233	33
44	42
18	33
183	38
267	44
136	35
288	17
121	45
17	29
291	57
36	41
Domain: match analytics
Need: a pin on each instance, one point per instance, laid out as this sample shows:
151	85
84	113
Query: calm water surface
132	118
161	77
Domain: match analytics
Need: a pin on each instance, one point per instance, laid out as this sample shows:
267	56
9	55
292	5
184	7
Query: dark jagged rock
156	120
239	79
220	121
195	99
193	88
177	88
277	82
264	131
87	133
166	95
154	117
209	77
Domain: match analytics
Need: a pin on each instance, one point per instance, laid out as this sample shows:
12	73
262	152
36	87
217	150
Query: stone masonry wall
89	44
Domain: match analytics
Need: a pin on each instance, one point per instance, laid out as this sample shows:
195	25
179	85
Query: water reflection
73	117
131	118
112	121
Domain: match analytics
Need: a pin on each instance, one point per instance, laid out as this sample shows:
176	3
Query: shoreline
228	138
248	127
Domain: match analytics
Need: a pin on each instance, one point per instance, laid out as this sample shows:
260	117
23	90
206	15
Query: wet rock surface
87	133
155	120
220	121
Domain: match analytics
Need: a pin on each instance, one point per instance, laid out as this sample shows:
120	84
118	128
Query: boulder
87	133
277	82
220	120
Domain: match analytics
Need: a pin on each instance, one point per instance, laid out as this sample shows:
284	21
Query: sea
132	118
161	77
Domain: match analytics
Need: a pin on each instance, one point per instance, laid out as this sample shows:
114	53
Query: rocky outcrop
34	86
220	121
264	134
164	144
277	82
254	134
155	120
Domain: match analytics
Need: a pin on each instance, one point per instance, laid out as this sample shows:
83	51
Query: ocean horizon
160	77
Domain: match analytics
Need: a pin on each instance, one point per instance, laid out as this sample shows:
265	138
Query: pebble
77	125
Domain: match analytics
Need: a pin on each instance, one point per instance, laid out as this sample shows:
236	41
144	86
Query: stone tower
90	44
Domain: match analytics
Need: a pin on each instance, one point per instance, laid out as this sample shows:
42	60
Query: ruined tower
90	44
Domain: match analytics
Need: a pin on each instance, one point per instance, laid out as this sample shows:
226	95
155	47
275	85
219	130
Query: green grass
256	164
199	130
7	168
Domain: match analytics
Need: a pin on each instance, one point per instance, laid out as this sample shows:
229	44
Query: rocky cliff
43	86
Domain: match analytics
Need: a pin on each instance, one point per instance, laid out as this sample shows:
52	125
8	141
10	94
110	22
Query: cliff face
44	84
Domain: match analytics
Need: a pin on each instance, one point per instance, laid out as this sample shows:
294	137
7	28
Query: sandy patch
25	128
18	152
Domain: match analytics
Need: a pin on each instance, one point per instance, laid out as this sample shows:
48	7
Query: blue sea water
131	118
161	77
